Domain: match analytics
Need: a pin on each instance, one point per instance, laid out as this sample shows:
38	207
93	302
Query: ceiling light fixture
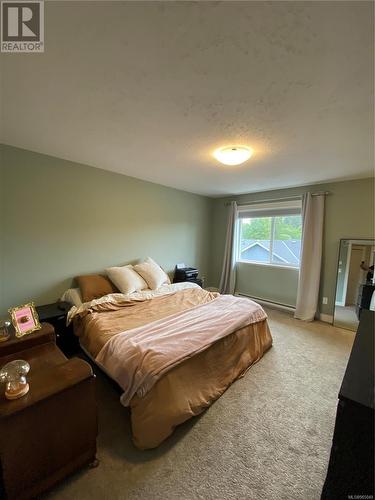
233	155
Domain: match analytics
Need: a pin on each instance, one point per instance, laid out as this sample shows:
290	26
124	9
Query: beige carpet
346	317
268	437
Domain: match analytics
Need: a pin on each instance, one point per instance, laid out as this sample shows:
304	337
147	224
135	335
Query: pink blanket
138	358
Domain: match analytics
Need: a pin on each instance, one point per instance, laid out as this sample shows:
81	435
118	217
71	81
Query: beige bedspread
189	388
96	325
191	385
138	358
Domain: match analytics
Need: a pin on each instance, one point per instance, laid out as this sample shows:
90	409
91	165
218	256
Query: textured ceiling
150	89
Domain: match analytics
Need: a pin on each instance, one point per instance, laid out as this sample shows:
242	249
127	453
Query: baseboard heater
326	318
275	305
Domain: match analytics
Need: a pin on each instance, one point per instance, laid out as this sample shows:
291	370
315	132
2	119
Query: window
270	234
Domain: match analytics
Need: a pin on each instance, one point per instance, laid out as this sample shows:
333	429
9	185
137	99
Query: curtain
228	274
311	256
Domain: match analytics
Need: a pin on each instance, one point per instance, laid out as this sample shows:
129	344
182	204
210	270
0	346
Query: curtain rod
288	198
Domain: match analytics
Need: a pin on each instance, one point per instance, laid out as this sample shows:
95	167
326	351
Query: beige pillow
126	279
73	296
151	261
152	273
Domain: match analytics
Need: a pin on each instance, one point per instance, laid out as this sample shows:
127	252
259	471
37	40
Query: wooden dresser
51	431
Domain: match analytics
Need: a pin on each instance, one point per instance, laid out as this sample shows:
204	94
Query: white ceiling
150	89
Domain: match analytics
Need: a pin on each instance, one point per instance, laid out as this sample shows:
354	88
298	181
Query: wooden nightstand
56	314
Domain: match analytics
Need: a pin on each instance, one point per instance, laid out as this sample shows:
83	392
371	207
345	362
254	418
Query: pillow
73	296
126	279
151	261
94	286
152	273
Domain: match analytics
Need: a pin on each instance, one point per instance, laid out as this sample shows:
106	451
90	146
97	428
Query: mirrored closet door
355	282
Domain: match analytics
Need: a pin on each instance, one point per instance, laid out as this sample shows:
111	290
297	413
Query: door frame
346	276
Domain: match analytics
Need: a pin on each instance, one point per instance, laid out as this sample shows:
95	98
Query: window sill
294	268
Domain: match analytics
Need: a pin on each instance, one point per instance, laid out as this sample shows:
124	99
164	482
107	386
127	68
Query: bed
173	351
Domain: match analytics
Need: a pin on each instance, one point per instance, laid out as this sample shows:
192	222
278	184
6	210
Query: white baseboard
326	318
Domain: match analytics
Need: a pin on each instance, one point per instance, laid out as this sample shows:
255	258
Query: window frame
258	211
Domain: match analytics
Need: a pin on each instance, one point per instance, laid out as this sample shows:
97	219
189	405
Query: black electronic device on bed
189	274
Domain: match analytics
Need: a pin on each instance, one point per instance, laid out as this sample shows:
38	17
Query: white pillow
73	296
126	279
152	273
151	261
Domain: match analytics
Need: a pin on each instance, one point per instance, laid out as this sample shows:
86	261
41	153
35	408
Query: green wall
2	213
349	214
276	284
60	219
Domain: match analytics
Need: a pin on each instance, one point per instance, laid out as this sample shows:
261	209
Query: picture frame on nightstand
25	319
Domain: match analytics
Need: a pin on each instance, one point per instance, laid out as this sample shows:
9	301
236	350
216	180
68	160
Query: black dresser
56	314
351	466
364	297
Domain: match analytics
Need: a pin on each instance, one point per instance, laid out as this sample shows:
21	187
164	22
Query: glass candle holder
14	375
4	330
